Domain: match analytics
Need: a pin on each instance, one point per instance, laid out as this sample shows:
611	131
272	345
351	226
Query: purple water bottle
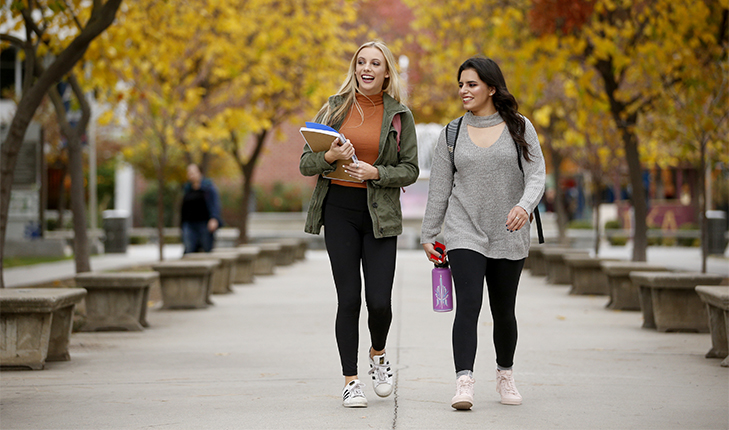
442	284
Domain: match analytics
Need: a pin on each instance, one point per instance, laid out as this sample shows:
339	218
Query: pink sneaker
506	387
463	400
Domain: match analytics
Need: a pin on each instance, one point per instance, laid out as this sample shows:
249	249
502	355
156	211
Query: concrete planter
536	260
247	256
669	300
717	307
266	262
623	295
587	274
223	275
35	325
288	252
116	301
186	284
558	272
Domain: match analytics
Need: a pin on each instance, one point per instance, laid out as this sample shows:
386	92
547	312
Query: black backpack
451	133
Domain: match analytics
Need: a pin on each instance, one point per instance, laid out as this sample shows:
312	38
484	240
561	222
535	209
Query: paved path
265	358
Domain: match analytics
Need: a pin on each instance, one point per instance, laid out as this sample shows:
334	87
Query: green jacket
397	169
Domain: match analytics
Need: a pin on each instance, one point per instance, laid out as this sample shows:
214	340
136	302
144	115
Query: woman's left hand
516	219
362	171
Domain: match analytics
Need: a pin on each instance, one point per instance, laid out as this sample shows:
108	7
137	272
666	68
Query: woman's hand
362	171
516	219
339	151
433	255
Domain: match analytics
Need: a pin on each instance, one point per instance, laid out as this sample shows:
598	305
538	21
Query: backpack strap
397	123
451	134
540	232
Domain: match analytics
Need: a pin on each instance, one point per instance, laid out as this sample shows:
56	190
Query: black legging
469	268
349	239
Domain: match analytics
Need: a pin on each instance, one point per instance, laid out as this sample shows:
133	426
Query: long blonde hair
394	86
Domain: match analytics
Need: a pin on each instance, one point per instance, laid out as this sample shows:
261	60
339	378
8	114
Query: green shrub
615	239
580	224
689	241
138	240
279	198
657	240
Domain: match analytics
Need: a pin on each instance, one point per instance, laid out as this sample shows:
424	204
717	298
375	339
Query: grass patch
29	261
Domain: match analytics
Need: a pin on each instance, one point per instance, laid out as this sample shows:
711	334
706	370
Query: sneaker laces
464	386
381	371
356	389
507	384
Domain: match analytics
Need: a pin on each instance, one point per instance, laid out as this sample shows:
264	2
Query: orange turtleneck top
364	133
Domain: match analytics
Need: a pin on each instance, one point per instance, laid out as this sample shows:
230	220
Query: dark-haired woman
483	200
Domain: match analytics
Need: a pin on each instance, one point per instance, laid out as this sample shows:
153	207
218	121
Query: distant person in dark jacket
200	214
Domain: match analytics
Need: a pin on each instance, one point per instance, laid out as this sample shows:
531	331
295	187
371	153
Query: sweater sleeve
534	171
439	191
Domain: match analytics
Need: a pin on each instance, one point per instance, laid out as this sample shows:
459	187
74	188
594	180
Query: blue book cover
317	126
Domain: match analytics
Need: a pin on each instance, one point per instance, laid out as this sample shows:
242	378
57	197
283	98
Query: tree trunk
596	188
626	123
559	204
637	195
703	207
78	205
247	170
62	198
243	220
161	170
76	167
102	16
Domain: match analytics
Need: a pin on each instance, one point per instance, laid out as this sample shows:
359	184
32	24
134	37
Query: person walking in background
362	219
200	213
483	196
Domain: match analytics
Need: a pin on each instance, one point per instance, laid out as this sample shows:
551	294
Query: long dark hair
505	103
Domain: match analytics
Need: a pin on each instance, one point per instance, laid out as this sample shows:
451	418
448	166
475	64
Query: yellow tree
216	69
696	117
291	69
639	51
57	34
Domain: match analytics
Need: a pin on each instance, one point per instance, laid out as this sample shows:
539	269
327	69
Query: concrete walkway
265	357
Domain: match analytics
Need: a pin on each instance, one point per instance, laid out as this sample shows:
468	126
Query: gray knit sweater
472	204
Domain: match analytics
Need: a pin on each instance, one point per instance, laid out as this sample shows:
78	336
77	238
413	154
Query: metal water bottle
442	284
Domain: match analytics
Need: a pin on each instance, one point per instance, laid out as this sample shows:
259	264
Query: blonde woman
363	219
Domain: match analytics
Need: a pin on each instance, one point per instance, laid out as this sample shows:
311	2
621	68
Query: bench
536	260
669	300
558	272
302	246
116	301
287	254
587	274
186	284
246	258
716	299
265	264
223	274
623	295
36	325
